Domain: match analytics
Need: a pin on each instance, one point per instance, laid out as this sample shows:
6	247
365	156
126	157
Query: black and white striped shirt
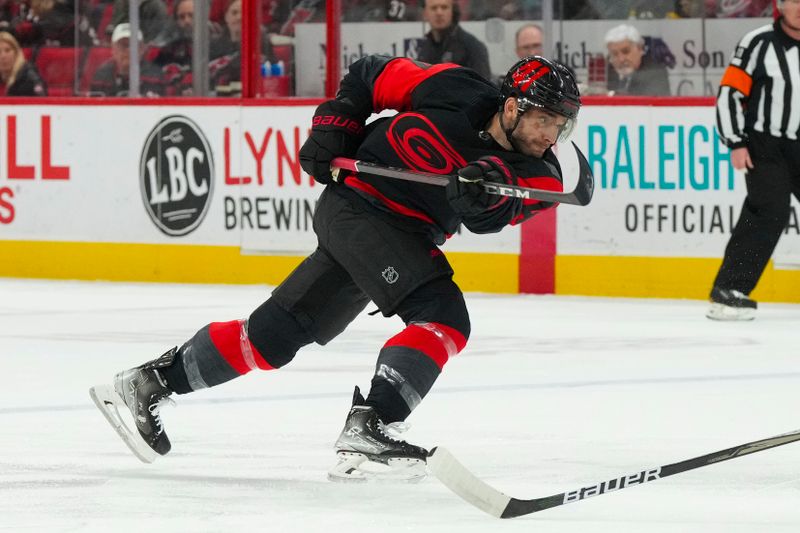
760	89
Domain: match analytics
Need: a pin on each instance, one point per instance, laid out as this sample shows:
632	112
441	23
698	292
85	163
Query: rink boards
187	192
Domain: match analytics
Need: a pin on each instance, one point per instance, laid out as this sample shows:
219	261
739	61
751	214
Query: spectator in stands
753	8
17	76
379	10
112	78
650	9
153	17
575	10
178	40
447	42
9	11
273	13
529	41
694	9
633	72
225	53
53	23
303	11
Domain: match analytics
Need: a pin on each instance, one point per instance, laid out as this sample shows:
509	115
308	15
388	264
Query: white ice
551	394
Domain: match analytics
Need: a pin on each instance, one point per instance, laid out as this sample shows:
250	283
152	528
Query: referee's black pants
775	176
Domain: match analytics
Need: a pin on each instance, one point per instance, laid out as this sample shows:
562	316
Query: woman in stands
17	76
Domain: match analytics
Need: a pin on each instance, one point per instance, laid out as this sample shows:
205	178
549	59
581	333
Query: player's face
439	13
537	131
625	56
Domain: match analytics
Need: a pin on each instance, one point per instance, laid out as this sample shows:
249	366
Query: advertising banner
665	187
210	175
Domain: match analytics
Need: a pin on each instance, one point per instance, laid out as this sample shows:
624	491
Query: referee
758	117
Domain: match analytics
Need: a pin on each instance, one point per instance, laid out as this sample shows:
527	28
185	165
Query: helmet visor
563	109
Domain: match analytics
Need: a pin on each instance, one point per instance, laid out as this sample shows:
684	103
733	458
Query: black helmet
538	82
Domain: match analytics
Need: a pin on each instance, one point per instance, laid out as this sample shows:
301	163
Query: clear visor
566	130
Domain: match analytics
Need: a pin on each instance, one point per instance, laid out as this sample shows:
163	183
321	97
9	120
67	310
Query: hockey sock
408	365
217	353
222	351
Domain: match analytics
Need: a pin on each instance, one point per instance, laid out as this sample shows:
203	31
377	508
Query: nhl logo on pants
390	275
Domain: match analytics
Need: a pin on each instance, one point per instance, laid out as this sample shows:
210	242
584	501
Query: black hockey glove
465	191
335	132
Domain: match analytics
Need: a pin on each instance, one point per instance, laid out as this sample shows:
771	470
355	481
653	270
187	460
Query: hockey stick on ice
581	195
461	481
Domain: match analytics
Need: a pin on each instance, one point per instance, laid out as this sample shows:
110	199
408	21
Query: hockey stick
457	478
581	195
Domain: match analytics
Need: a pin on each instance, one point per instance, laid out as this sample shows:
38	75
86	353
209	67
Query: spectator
575	10
378	10
303	11
753	8
9	11
273	13
52	23
650	9
685	9
112	79
17	76
153	17
529	41
225	53
633	72
447	42
178	47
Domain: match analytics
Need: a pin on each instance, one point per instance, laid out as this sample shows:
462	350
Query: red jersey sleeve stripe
398	80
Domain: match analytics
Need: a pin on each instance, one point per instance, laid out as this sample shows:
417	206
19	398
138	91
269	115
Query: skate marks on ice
500	388
253	456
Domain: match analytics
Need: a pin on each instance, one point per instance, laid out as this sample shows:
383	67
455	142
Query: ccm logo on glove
346	123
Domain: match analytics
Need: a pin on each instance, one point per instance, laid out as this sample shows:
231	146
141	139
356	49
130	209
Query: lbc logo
176	174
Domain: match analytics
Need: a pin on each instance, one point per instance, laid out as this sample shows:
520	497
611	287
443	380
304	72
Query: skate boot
368	449
143	392
729	304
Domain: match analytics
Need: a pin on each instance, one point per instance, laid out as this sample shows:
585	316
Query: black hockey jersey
442	111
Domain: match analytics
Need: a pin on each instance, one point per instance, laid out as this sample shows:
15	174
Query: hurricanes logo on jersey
176	175
422	146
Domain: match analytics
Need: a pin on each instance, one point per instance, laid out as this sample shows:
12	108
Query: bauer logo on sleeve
176	174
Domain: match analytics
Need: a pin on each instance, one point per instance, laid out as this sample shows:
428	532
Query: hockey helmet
537	82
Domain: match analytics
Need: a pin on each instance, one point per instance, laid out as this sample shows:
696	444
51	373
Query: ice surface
552	393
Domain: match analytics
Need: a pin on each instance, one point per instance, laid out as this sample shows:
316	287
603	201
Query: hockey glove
335	132
465	191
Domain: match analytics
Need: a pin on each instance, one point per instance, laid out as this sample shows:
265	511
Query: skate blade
726	313
354	467
107	400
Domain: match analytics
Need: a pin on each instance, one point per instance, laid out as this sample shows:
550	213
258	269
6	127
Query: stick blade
460	480
584	191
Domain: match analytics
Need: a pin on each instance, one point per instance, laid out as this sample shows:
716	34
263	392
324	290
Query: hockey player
378	241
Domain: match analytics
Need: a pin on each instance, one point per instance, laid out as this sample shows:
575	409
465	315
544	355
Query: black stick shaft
518	507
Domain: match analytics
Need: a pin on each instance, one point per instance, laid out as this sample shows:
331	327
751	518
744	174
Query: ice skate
143	392
368	449
731	305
